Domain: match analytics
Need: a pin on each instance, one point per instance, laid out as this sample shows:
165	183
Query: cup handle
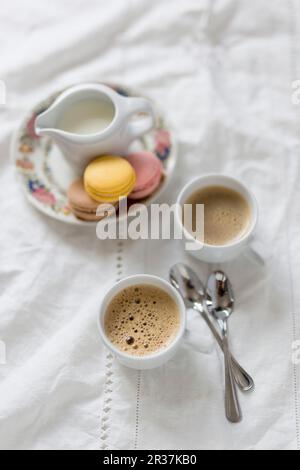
257	251
145	124
253	255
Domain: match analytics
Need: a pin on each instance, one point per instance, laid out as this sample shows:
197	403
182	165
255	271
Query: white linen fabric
222	71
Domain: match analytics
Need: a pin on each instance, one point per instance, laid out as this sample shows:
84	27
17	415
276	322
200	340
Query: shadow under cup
216	253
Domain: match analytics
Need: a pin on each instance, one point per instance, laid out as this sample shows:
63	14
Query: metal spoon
220	304
186	281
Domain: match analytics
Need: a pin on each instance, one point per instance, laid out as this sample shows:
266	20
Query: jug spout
45	124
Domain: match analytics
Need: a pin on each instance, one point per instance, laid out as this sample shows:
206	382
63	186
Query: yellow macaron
109	178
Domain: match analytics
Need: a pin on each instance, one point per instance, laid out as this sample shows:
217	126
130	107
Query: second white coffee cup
212	253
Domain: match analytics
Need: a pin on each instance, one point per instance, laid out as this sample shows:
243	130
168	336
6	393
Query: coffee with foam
227	215
142	320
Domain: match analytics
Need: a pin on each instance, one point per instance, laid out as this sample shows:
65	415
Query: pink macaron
149	171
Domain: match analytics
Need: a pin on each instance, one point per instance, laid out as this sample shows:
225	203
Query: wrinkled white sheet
222	70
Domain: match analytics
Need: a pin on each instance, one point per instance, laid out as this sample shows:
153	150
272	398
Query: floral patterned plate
34	159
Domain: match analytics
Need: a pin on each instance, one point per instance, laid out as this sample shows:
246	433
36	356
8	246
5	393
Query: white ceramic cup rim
218	180
140	279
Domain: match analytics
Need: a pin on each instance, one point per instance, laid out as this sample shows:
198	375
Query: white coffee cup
212	253
152	360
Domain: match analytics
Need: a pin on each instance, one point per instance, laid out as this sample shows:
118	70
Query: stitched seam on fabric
138	409
294	327
293	27
109	371
294	332
104	429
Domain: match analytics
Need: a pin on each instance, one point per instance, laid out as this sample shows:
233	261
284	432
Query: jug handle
144	124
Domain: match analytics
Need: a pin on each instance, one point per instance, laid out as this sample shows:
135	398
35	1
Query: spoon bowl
188	284
219	296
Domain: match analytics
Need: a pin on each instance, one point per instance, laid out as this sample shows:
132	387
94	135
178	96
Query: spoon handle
242	378
233	410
